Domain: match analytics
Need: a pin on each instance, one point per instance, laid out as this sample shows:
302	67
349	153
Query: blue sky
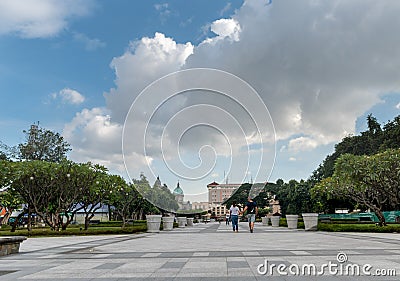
320	67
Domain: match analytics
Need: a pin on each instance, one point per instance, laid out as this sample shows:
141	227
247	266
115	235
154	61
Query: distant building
203	206
179	197
157	183
102	214
217	194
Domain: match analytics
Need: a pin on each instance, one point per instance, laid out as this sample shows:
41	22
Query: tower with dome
179	197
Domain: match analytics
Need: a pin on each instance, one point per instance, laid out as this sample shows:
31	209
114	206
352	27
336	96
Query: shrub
358	228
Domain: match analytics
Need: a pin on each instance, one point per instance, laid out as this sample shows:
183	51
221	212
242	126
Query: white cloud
91	44
39	18
398	106
318	66
302	144
225	9
95	138
317	75
163	10
226	28
292	159
69	96
146	60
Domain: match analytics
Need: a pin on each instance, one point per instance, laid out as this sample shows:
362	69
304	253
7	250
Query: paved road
204	252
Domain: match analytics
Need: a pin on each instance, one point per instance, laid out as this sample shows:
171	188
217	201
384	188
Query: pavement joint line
363	237
85	244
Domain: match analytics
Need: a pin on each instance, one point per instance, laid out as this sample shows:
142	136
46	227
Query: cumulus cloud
226	28
317	65
90	132
91	44
39	18
69	96
398	106
302	144
145	61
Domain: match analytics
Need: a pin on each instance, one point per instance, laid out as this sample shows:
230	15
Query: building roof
157	182
213	183
178	189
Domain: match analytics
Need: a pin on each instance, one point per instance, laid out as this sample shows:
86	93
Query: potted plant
153	223
189	221
275	219
292	221
310	221
181	221
168	223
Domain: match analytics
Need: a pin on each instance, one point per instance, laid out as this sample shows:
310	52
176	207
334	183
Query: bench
10	244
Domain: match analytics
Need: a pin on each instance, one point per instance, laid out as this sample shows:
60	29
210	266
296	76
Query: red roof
213	183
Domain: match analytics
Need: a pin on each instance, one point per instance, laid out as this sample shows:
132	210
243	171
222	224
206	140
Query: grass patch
93	230
358	228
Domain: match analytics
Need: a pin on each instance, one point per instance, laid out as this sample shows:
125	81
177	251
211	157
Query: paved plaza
203	252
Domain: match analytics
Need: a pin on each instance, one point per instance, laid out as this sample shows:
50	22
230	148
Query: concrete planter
275	221
264	221
168	223
10	245
153	223
181	221
292	221
189	221
310	221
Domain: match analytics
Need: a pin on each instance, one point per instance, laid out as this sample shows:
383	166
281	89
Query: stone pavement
203	252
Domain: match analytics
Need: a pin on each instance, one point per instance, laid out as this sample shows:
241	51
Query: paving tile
173	265
204	252
237	264
201	254
108	266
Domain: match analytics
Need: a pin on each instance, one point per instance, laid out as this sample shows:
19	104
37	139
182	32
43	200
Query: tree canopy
371	181
42	144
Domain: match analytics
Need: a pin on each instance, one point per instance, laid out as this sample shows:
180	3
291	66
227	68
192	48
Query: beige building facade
217	194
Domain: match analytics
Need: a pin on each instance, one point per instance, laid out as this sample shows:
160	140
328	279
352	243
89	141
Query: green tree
127	201
51	190
371	181
96	187
391	134
158	196
42	144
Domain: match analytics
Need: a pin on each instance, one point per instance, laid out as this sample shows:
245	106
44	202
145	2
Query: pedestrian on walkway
252	211
234	212
227	218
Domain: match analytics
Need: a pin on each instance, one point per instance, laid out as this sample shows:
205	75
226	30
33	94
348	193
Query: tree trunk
29	219
87	223
379	214
123	221
15	224
87	220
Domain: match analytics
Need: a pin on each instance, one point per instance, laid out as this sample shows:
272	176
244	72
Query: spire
178	189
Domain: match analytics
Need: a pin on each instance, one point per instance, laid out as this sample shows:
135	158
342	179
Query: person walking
252	211
227	218
234	212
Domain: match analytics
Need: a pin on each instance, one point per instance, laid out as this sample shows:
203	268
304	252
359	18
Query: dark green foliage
160	196
42	144
77	231
369	142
